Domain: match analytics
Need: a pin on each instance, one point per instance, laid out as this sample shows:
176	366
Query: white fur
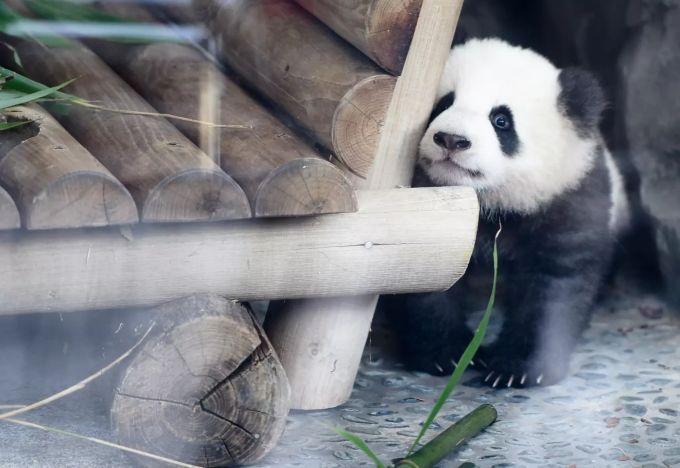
619	212
552	157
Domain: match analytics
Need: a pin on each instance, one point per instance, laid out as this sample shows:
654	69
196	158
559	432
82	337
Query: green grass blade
30	97
467	355
61	10
18	82
361	445
11	125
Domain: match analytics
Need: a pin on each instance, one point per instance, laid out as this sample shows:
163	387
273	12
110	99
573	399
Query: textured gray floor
620	407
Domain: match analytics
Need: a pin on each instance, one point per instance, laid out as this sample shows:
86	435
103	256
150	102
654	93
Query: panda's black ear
581	98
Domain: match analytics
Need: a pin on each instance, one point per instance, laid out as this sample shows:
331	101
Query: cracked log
205	389
9	216
168	176
334	92
381	29
55	181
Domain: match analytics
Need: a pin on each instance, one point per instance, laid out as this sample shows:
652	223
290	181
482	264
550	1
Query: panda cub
525	136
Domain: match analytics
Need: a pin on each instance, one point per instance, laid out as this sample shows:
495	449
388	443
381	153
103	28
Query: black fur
444	103
551	264
507	138
581	99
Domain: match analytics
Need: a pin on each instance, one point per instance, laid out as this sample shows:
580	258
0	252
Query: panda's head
512	126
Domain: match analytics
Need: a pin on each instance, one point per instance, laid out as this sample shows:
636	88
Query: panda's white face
500	128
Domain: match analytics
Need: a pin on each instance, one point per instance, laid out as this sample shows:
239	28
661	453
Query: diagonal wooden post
320	341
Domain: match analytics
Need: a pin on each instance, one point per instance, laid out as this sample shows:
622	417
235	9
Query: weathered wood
167	175
56	182
408	112
9	216
326	352
206	388
281	175
399	241
381	29
326	85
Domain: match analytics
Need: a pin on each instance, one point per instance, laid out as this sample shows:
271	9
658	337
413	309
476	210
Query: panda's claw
488	376
511	380
438	367
455	364
482	363
498	379
539	379
523	379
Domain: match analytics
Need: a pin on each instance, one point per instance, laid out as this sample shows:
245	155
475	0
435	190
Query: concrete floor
620	407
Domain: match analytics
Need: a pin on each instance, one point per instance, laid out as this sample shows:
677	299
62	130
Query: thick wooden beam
9	216
167	175
381	29
400	240
332	90
56	182
393	166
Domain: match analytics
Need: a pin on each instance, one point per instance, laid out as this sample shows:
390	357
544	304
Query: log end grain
196	195
79	200
306	186
358	122
9	216
57	183
389	31
206	388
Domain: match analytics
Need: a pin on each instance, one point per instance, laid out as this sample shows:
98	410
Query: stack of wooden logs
288	124
252	165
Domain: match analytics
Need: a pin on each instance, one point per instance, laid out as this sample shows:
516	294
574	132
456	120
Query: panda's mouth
449	163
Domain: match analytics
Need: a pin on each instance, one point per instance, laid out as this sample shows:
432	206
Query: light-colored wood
332	90
9	216
167	175
56	182
393	166
281	175
206	388
381	29
316	360
414	95
399	241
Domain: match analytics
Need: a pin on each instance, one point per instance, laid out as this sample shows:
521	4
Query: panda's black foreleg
431	329
545	316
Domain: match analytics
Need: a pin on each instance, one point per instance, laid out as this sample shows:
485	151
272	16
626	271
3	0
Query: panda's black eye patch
444	103
504	125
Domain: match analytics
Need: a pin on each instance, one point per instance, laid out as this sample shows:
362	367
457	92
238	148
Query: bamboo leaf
18	82
19	100
11	125
468	354
361	445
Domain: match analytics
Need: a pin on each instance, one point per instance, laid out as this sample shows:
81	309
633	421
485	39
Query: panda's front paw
504	370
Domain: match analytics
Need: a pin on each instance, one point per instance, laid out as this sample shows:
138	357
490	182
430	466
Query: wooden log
406	119
399	241
206	388
9	215
326	85
56	182
381	29
281	175
167	175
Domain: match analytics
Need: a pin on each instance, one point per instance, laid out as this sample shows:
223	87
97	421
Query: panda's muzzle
451	142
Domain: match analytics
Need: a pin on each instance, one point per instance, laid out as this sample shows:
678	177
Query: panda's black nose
452	142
